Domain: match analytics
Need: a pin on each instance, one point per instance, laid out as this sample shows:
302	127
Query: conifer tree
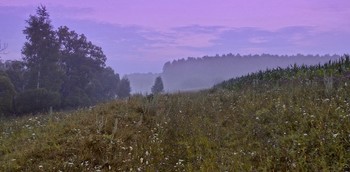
158	86
41	52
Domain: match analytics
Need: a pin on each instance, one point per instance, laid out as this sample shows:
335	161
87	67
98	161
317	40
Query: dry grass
282	128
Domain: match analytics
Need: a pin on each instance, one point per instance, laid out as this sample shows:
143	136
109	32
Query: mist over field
201	73
199	85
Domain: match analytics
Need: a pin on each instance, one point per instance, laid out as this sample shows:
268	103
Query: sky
139	36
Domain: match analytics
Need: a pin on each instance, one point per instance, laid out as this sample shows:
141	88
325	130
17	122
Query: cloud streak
141	37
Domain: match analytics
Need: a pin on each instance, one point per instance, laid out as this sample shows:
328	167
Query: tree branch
2	48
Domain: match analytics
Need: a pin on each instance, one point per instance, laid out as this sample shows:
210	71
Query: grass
267	126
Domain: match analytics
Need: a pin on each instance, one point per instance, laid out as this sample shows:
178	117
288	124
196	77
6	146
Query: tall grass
298	124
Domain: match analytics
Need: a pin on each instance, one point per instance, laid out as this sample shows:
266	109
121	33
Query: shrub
7	93
36	100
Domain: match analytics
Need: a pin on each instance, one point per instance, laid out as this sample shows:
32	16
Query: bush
77	98
7	93
36	100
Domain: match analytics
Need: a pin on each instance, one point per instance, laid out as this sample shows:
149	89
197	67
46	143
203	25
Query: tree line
328	75
60	69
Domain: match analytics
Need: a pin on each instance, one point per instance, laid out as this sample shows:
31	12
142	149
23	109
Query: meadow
294	119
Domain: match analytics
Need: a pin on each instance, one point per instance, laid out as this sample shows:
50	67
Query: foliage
292	126
60	64
41	52
86	80
202	73
293	75
158	86
7	93
36	100
16	71
124	88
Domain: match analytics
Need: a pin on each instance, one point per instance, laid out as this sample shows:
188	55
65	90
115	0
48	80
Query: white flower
141	160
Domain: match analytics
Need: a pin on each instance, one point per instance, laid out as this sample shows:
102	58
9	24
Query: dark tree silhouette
158	86
124	88
41	52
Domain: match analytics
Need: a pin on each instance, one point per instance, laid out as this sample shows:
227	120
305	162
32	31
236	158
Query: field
300	122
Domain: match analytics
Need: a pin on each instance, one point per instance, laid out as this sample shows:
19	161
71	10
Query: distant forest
200	73
60	69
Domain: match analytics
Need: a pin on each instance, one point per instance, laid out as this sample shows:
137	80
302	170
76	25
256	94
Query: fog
201	73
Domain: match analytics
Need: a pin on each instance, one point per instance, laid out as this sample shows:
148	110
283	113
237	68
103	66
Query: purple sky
140	35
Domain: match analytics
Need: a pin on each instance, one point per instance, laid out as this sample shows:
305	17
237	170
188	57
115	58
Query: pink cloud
206	27
160	14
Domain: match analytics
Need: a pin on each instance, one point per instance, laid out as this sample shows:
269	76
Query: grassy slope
289	123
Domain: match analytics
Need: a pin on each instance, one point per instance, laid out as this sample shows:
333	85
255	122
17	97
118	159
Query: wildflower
141	160
335	135
147	153
305	134
40	166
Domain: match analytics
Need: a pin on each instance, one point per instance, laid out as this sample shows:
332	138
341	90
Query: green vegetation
61	69
158	86
294	119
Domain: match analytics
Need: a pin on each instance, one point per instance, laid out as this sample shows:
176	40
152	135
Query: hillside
294	119
202	73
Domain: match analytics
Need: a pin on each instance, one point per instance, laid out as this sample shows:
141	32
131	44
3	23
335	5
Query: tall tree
124	88
158	86
41	52
83	65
